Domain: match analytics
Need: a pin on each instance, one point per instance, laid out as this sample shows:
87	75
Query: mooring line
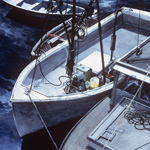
43	122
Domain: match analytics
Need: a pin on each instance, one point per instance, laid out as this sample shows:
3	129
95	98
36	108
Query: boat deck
129	134
126	40
77	139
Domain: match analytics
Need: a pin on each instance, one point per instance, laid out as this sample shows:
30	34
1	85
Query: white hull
53	112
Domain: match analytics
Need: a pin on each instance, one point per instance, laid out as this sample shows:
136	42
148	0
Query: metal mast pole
101	44
70	62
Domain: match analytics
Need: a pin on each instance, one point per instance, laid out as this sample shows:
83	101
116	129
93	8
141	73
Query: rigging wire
33	76
138	27
116	5
128	107
39	47
41	118
59	6
138	34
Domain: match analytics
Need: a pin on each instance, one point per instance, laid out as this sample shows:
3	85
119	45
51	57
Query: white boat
44	96
120	121
44	8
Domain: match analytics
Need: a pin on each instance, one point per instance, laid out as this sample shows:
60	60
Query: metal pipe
113	37
101	43
70	61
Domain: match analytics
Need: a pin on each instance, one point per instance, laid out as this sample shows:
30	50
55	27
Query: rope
140	119
126	109
33	73
43	122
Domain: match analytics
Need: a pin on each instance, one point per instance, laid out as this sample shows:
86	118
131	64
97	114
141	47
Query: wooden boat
120	121
44	8
44	94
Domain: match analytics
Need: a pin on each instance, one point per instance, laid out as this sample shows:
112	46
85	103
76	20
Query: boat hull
28	120
27	12
32	14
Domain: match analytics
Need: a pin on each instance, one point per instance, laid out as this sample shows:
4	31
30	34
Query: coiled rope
140	119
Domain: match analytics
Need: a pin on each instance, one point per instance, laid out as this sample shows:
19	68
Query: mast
101	43
70	61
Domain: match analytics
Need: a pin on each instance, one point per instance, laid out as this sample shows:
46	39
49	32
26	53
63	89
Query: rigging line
44	28
33	76
43	122
38	52
47	14
142	146
63	21
116	5
138	28
126	109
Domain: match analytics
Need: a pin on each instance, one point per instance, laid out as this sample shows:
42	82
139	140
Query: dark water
18	34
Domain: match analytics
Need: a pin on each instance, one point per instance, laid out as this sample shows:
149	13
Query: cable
48	80
138	49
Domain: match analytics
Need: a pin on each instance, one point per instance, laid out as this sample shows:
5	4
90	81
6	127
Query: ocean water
18	34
